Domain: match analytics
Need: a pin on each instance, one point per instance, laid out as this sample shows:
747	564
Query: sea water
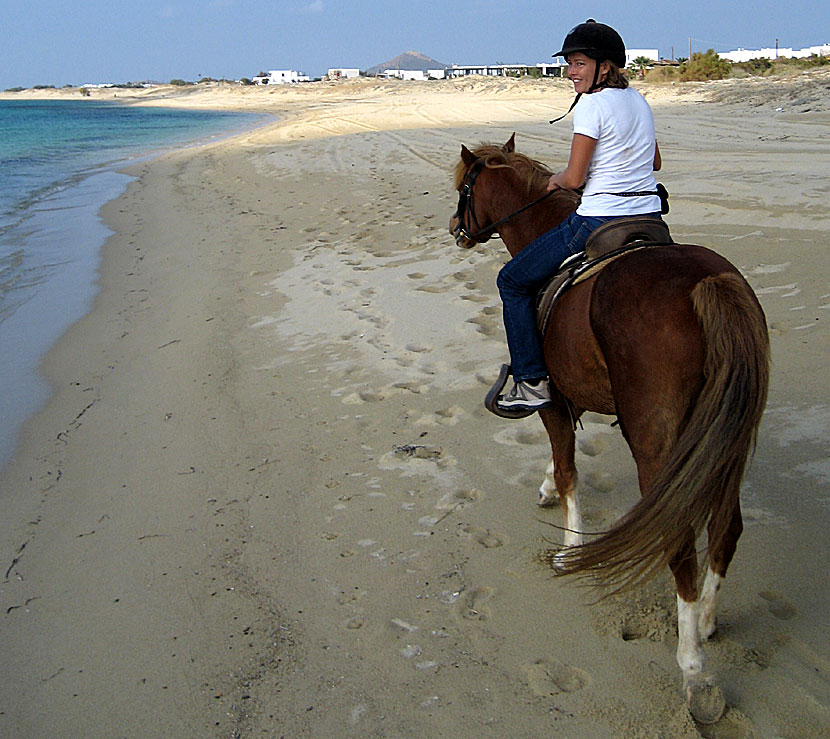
59	163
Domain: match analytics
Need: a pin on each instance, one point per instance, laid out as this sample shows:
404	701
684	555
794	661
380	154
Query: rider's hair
615	78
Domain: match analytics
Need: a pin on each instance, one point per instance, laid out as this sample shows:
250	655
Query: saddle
605	244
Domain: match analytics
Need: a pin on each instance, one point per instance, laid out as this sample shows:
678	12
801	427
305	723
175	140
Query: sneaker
527	396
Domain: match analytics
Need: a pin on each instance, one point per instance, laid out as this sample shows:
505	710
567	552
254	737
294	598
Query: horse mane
534	173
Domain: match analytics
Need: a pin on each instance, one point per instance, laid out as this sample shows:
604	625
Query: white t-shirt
622	123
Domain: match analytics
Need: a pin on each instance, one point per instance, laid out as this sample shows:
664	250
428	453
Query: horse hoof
547	499
557	564
707	629
705	699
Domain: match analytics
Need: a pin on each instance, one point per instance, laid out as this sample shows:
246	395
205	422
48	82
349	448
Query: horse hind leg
721	551
704	697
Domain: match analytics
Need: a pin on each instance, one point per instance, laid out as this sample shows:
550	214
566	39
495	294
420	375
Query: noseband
465	203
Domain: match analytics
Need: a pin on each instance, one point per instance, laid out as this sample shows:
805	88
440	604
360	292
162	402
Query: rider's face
581	70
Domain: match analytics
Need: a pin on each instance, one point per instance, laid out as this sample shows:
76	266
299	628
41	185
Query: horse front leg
561	476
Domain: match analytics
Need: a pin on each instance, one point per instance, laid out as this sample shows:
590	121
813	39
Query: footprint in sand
742	651
530	435
778	605
486	325
473	605
476	298
363	396
418	348
591	446
547	677
651	626
454	499
408	387
732	725
648	615
468	494
601	481
488	538
443	416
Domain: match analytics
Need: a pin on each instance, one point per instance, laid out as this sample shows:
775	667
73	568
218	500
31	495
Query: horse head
466	222
496	184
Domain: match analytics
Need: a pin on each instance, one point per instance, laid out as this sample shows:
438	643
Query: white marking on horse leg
708	605
573	520
703	695
689	650
547	492
573	524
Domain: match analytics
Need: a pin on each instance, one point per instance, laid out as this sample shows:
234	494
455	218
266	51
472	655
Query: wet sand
266	498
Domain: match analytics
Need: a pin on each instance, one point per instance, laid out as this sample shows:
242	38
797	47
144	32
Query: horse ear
467	156
510	146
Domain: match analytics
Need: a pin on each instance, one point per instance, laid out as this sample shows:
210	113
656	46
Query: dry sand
265	498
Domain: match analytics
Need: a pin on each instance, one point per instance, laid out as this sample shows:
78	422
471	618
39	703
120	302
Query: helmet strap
594	86
573	105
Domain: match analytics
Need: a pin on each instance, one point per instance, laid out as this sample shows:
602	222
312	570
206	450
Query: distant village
633	57
404	67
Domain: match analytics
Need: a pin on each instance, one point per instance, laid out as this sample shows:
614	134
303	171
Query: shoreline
63	282
63	294
265	496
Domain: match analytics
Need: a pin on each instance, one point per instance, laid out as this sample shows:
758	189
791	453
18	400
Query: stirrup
491	399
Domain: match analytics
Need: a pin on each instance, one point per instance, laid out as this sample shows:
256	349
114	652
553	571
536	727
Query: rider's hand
552	183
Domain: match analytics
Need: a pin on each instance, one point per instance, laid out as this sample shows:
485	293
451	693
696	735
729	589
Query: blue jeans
524	275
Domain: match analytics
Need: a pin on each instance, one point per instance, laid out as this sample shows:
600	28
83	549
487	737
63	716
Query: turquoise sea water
58	166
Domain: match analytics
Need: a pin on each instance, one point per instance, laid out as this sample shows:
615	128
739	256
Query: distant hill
409	60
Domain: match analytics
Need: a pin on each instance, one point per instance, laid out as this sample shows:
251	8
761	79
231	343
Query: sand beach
265	498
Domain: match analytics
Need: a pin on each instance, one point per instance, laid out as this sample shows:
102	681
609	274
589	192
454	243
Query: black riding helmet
595	40
598	42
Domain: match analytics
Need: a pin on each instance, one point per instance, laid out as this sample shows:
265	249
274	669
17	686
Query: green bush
706	66
809	62
755	67
179	83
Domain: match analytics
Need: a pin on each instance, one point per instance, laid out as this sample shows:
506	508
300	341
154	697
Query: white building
632	54
404	74
549	69
342	74
745	55
280	77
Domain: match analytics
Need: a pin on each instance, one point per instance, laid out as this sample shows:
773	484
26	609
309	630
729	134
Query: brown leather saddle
605	244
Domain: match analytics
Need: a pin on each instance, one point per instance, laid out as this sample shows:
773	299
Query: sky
58	42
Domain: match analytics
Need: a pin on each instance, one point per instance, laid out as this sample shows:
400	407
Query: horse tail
702	476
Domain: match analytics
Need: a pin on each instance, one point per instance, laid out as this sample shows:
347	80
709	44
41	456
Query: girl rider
614	154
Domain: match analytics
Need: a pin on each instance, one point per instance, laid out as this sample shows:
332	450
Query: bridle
465	203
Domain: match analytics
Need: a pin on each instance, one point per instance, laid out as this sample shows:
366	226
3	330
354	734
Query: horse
673	341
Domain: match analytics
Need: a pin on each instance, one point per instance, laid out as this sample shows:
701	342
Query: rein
465	202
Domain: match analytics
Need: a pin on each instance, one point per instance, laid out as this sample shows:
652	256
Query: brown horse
672	341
